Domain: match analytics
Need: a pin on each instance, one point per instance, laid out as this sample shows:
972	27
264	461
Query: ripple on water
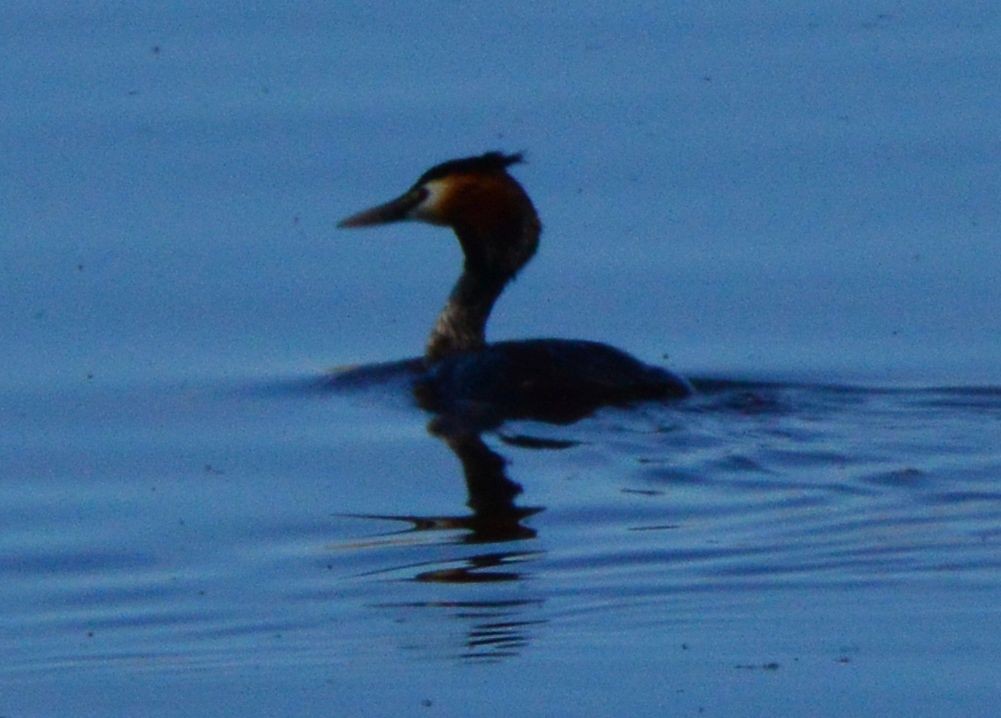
660	515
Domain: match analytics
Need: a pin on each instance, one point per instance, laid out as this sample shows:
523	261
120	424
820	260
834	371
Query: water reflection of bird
463	377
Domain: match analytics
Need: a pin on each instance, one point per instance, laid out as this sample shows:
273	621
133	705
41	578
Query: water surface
776	541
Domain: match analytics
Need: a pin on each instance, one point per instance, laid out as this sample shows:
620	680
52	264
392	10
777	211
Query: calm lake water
797	207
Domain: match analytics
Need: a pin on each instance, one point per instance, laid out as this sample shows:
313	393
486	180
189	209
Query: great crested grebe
460	374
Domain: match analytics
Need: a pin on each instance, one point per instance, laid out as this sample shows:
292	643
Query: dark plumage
480	164
464	377
555	380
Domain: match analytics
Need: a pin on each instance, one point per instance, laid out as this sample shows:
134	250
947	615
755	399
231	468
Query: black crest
481	164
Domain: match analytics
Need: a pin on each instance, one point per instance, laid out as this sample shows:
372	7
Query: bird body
462	375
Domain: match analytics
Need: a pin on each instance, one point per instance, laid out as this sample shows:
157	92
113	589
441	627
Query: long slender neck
461	325
499	233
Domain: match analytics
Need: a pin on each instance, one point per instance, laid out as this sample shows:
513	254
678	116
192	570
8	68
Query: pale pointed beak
393	211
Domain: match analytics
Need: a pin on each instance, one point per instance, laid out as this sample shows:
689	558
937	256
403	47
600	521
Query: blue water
795	206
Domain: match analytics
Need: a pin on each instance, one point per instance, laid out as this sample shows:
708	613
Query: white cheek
429	210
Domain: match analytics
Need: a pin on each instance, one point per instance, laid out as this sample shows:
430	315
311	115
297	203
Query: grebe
461	375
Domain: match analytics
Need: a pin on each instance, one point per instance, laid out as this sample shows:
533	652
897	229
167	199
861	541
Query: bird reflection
497	627
496	630
494	516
